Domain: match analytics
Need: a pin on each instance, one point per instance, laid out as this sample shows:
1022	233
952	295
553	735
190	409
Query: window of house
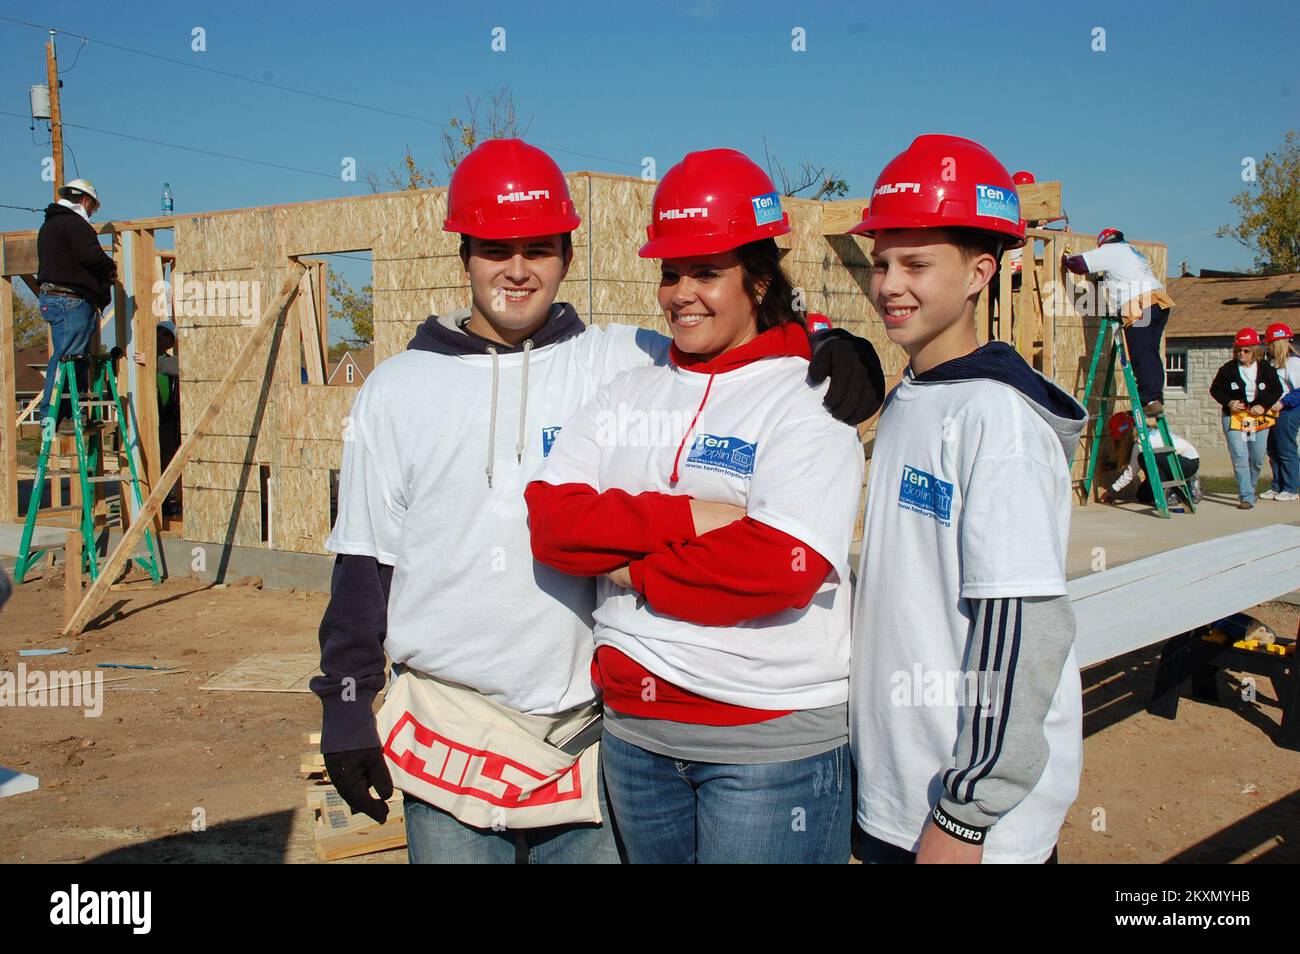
349	372
335	312
1176	369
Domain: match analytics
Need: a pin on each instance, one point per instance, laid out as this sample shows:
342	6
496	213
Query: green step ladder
1112	341
101	398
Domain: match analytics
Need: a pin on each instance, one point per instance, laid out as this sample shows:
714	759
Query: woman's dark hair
761	263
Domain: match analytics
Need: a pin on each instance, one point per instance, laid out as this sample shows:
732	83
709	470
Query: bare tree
460	136
829	184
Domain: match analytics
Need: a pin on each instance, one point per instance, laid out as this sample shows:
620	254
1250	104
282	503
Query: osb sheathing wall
296	429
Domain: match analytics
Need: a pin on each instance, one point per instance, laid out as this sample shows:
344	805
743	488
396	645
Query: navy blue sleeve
352	648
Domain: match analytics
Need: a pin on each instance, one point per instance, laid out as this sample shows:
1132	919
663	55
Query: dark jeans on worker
72	326
1144	355
1190	467
871	850
1283	455
671	811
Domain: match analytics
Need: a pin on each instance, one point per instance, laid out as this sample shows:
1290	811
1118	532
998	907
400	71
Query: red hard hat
945	182
1278	332
713	201
1023	177
508	189
1105	235
1118	424
1245	337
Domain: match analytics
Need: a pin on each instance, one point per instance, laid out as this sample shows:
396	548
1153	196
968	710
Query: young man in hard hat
487	728
1143	304
75	279
965	707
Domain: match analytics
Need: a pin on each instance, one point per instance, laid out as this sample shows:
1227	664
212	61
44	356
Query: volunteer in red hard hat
691	526
966	526
1128	456
1246	388
1283	457
434	564
1137	295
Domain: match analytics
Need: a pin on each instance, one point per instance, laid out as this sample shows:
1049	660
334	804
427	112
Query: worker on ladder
1133	288
75	279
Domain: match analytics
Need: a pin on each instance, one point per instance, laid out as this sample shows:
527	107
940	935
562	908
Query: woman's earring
758	299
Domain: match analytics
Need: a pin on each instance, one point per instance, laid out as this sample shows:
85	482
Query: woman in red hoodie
715	500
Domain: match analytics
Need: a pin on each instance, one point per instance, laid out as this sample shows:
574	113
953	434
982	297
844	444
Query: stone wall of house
1192	412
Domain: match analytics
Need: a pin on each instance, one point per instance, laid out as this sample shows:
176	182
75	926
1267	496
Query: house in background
29	374
353	368
1209	309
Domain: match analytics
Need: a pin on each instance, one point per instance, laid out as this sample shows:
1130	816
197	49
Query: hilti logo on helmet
889	188
523	196
702	213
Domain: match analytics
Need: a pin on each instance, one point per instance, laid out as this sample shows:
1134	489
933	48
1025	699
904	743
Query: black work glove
857	380
354	772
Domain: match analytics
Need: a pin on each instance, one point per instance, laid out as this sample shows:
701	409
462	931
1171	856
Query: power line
299	92
173	145
20	208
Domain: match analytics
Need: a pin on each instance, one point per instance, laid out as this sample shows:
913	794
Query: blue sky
1147	136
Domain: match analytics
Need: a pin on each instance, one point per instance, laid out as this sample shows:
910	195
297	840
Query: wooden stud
1004	299
1040	201
308	333
841	215
118	558
72	551
9	431
144	340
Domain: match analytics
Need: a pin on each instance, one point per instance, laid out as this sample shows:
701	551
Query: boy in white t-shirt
965	703
434	565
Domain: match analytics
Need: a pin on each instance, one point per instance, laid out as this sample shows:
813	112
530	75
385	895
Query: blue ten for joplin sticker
549	434
767	208
998	202
925	494
726	455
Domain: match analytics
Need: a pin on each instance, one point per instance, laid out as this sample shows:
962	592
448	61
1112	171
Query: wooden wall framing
295	429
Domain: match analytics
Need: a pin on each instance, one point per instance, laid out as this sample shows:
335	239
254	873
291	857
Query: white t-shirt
1290	374
968	498
1182	448
764	442
468	603
1249	375
1127	271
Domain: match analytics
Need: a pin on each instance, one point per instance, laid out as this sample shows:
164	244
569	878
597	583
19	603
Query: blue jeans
435	837
72	326
674	812
1144	355
1247	453
1283	455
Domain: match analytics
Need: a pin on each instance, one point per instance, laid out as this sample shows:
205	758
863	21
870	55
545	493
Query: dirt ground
126	786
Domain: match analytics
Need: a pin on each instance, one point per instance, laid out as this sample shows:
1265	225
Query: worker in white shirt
1140	297
1123	435
1283	454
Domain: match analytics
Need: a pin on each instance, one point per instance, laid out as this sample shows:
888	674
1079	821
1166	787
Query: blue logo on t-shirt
925	494
549	434
725	455
999	202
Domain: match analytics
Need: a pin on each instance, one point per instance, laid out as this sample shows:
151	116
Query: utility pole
56	121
